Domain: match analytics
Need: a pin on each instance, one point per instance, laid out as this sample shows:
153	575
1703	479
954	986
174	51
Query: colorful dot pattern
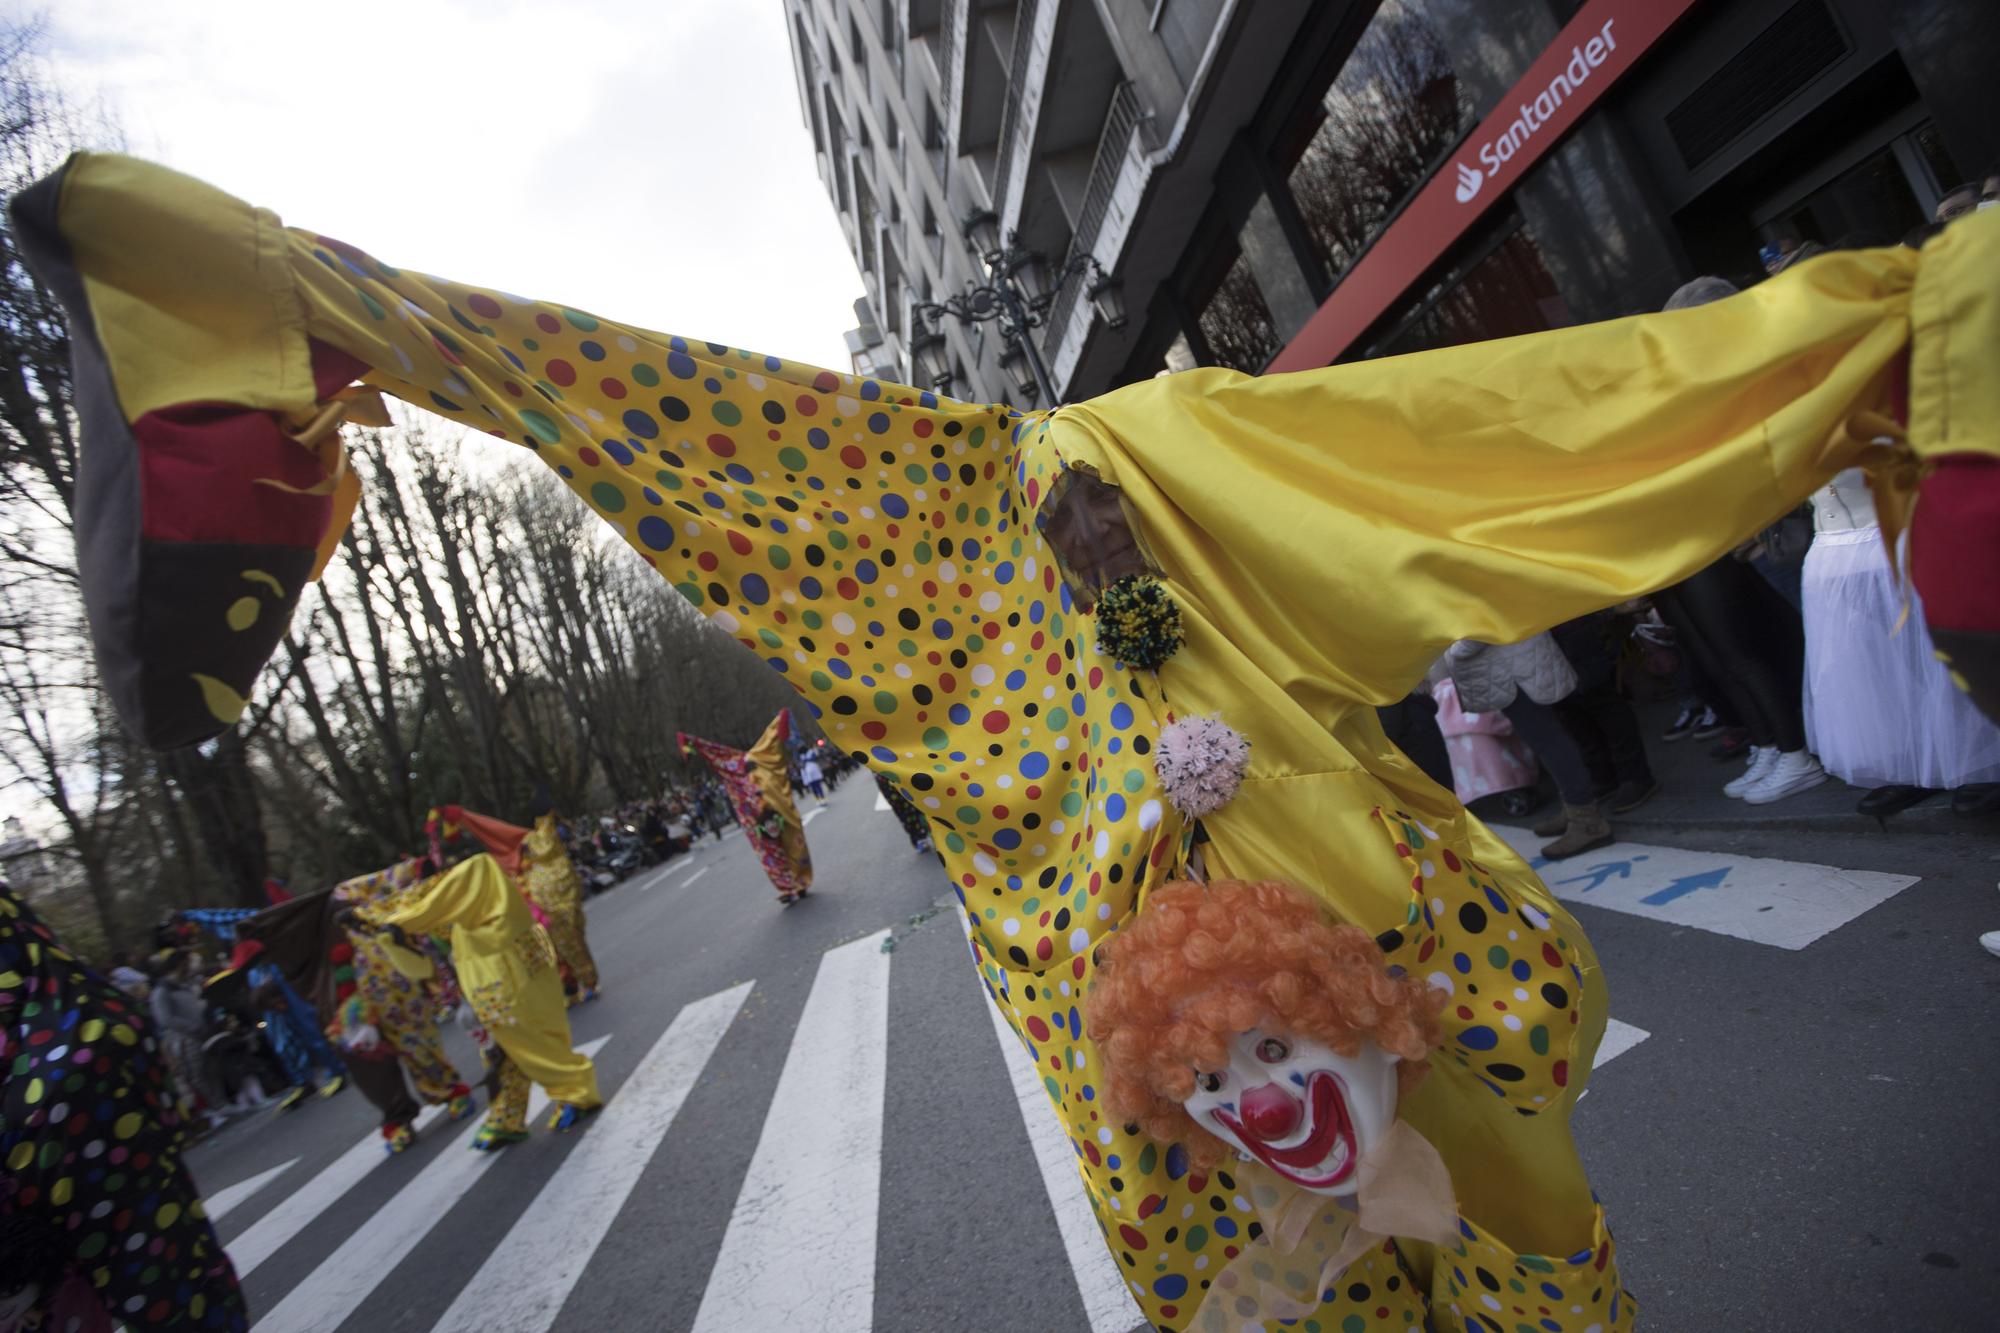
875	545
90	1138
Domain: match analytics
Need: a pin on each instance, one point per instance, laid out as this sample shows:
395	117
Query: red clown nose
1269	1112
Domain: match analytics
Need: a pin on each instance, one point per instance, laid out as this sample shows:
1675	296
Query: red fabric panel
199	464
1955	543
498	836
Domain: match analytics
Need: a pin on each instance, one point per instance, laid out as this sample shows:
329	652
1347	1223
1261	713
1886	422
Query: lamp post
1017	293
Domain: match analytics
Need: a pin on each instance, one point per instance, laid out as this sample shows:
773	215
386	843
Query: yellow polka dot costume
1322	535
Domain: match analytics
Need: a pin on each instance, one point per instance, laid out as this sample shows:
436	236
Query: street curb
1942	824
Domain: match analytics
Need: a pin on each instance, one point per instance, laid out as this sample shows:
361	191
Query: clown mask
1304	1110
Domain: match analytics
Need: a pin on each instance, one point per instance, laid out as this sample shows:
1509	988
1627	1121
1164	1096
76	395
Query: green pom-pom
1138	622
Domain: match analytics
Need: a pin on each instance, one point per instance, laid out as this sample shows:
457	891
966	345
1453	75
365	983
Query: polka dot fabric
90	1139
876	546
870	542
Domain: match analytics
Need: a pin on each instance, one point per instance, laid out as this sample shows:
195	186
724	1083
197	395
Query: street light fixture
1017	293
1014	363
982	228
929	354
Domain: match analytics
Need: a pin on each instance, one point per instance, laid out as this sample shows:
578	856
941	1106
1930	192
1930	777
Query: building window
1184	27
1236	322
1395	108
1494	284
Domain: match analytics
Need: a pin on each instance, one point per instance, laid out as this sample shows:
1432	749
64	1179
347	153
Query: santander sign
1593	51
1533	117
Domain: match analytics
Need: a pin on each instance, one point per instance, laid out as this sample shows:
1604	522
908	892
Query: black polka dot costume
91	1136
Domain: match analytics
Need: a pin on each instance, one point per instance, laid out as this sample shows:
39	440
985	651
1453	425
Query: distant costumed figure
507	970
100	1222
290	1024
759	784
377	996
915	827
1126	645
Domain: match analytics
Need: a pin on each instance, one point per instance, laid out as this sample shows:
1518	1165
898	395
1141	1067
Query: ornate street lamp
929	354
982	229
1017	362
1017	294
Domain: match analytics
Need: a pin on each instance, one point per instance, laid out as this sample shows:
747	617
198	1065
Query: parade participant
308	1059
536	860
379	998
549	878
758	786
1093	635
507	970
84	1084
915	827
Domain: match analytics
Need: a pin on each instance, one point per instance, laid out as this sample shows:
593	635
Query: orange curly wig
1205	962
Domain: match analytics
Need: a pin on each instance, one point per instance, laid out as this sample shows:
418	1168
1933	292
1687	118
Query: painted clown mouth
1324	1154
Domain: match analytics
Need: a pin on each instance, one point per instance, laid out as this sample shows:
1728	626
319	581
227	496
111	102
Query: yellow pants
536	1055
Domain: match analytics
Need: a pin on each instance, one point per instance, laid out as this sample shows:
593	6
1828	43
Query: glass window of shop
1493	284
1395	108
1235	319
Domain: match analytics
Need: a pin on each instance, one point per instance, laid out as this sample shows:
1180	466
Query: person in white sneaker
1791	772
1750	643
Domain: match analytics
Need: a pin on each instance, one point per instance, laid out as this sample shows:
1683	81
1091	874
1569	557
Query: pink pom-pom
1200	761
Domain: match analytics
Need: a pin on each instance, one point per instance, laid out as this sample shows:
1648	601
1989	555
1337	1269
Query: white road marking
1106	1299
275	1229
1786	904
881	801
800	1249
524	1282
1618	1039
336	1289
224	1201
811	815
695	876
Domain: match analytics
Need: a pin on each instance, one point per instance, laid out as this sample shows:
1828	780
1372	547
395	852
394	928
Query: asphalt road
1796	1139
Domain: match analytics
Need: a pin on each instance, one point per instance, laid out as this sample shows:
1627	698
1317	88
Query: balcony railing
1017	97
1121	123
951	64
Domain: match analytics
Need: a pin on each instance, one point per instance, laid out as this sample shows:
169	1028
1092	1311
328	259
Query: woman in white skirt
1880	709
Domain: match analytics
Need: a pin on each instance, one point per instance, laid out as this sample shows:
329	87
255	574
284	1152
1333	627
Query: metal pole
1018	316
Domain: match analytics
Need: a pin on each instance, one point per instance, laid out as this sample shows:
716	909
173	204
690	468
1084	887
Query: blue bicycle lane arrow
1686	884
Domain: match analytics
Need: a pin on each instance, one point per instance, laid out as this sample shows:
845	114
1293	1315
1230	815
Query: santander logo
1584	60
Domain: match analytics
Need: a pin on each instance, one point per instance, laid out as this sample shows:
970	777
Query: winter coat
1488	676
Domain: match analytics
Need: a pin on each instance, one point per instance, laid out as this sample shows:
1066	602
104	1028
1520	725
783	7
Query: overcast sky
641	159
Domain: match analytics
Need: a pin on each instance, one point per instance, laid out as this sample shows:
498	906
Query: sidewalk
1690	798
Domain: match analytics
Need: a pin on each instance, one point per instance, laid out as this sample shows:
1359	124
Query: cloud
644	161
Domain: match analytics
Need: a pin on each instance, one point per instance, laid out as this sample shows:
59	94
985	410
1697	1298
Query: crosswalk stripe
1618	1039
523	1284
1106	1300
800	1248
337	1287
275	1229
224	1201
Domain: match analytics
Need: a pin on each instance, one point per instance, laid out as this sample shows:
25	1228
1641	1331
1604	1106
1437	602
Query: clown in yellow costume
550	880
1313	540
507	970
